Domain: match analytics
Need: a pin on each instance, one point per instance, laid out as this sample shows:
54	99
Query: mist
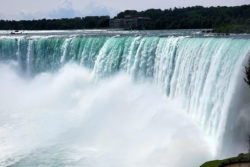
68	118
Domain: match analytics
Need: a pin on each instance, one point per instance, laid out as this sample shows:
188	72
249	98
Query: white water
143	101
69	119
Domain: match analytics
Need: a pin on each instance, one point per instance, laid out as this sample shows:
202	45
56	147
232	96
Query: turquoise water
200	72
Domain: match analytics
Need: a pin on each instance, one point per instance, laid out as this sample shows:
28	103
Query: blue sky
36	9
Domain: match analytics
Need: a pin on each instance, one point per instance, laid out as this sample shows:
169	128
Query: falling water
197	75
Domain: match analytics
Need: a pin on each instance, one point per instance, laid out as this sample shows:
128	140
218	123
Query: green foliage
247	78
222	19
215	163
218	163
196	17
57	24
240	158
232	29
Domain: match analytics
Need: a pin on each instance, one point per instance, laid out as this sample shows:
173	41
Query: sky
37	9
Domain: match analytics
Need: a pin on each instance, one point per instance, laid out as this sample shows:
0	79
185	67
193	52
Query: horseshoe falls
117	98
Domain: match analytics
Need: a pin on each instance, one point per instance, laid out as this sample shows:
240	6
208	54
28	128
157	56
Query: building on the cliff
129	23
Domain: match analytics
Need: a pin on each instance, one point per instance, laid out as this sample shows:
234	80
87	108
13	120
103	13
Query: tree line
197	17
193	17
88	22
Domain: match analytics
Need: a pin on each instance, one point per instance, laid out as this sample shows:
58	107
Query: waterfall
18	51
64	49
29	57
201	72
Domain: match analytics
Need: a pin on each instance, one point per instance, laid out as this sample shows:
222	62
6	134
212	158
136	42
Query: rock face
244	164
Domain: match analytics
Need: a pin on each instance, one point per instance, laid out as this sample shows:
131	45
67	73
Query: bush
232	29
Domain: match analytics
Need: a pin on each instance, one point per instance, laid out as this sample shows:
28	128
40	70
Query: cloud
64	9
96	10
30	9
67	11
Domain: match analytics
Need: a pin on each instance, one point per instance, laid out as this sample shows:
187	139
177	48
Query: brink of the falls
117	98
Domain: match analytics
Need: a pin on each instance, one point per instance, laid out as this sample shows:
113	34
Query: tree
221	19
247	71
